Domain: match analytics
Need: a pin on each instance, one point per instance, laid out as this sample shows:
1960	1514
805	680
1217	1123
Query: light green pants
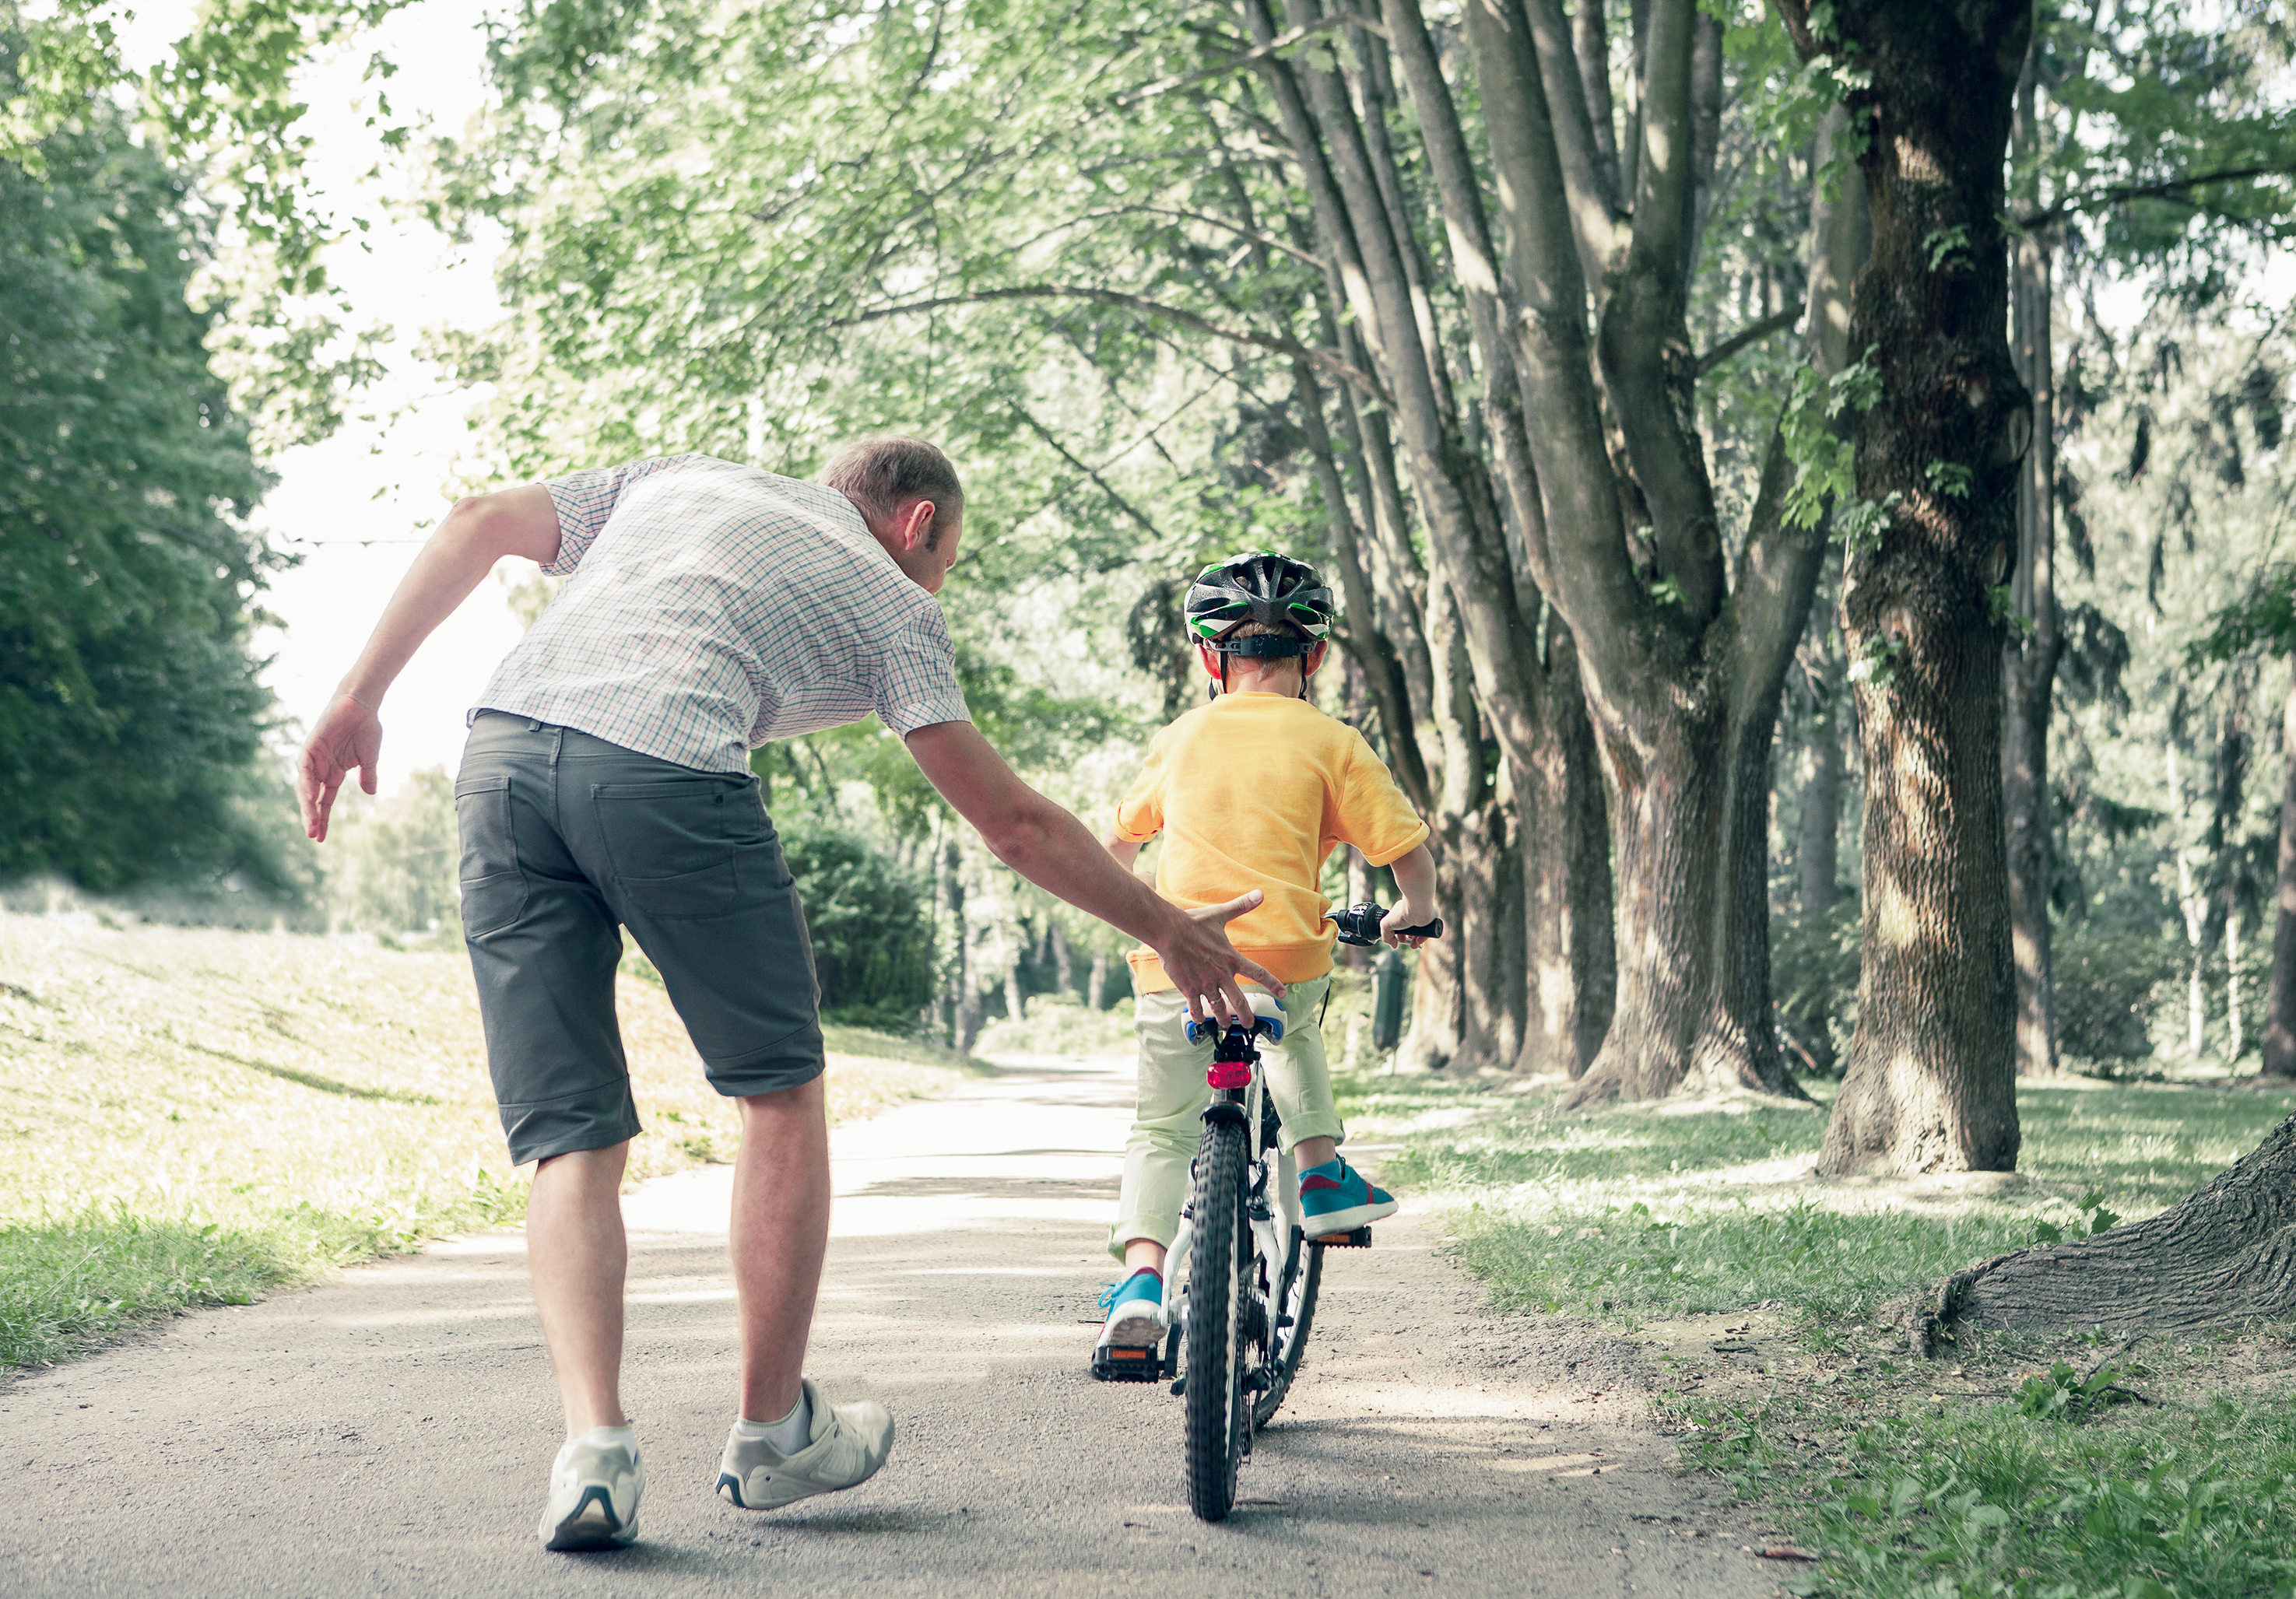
1168	1122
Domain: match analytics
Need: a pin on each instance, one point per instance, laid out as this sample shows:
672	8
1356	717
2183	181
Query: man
709	607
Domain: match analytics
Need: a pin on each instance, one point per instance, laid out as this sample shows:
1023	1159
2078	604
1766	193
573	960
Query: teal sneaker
1334	1198
1135	1312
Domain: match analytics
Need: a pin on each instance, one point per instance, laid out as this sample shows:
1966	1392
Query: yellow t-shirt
1252	792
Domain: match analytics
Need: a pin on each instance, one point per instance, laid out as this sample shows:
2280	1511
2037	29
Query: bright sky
385	480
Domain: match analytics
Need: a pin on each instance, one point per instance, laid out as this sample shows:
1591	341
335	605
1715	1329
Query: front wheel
1214	1347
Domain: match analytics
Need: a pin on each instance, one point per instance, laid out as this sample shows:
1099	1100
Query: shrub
2108	987
1814	981
873	942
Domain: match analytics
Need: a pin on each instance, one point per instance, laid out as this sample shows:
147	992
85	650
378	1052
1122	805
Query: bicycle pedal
1360	1239
1125	1363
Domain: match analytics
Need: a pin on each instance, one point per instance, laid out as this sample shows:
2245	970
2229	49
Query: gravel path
389	1433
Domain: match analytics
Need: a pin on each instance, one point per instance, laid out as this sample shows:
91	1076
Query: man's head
908	493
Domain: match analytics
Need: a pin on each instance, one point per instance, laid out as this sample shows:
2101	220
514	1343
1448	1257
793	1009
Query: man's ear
915	525
1314	660
1211	660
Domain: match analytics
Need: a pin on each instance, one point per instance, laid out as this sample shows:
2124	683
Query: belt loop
533	725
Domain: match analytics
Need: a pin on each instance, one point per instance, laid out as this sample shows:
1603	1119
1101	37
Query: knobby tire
1214	1346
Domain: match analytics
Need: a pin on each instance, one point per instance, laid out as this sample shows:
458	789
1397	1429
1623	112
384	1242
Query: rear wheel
1215	1347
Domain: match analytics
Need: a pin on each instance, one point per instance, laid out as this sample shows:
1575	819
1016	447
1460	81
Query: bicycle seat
1266	1010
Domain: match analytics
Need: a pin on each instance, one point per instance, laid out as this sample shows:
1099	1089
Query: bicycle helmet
1260	586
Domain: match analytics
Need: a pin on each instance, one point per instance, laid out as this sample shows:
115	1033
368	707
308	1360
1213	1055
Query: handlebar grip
1425	929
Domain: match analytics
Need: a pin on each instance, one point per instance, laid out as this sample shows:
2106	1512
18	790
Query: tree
2138	135
130	717
2219	1258
1930	1084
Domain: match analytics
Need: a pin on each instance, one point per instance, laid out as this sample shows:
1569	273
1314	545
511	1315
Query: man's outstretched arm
470	538
1050	848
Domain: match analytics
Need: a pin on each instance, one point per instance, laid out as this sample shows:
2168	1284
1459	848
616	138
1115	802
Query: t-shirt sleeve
585	500
1374	814
917	685
1140	813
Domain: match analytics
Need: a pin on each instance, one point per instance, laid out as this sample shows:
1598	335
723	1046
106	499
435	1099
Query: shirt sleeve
585	500
1140	813
1374	814
917	683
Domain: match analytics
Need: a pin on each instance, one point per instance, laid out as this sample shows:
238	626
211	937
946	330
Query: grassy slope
1964	1477
190	1117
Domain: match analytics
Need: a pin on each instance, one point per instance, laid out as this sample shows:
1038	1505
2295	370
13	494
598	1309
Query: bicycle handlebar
1359	924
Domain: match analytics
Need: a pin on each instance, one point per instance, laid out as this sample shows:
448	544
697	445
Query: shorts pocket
672	842
493	886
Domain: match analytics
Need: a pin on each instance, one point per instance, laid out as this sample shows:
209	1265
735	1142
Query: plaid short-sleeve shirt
710	607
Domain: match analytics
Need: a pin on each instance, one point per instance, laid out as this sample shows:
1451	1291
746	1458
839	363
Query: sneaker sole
1348	1220
579	1533
729	1488
1133	1333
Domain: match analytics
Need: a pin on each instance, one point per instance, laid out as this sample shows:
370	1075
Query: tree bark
1931	1080
2030	663
1818	845
2280	987
2224	1257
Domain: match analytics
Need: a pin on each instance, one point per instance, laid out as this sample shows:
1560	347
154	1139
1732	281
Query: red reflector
1127	1354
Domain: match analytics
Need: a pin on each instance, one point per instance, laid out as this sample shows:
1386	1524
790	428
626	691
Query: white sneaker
848	1444
593	1495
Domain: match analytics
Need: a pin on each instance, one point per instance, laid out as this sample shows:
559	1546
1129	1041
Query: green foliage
2108	986
1814	960
872	946
1816	429
2263	620
130	716
223	102
393	865
2091	1218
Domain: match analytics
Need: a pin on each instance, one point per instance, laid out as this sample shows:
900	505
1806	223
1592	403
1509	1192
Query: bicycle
1252	1269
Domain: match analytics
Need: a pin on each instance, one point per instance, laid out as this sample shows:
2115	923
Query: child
1252	792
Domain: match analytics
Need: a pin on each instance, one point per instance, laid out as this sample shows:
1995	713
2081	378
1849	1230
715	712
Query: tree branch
1776	322
1283	41
1099	482
2116	194
1281	344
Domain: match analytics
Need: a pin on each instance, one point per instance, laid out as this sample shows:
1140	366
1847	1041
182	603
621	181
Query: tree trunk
2195	911
1818	848
2280	987
2224	1257
1096	988
1571	956
1016	1004
1064	959
1931	1084
2030	663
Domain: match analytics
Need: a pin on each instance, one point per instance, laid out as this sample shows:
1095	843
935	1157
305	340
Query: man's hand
348	734
1052	849
1205	967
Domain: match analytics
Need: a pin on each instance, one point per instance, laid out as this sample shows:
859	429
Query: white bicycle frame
1281	1189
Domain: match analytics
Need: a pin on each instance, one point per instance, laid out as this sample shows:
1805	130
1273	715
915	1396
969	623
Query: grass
2002	1471
190	1118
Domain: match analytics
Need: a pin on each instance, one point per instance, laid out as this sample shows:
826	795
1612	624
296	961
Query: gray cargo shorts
566	840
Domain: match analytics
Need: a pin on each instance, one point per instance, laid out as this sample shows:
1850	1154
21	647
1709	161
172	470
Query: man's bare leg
780	1233
578	1255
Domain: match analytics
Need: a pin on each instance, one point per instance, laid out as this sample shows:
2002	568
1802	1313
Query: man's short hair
884	472
1251	629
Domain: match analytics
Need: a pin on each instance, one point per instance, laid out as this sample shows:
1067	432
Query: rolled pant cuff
1313	1127
1158	1233
595	1117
